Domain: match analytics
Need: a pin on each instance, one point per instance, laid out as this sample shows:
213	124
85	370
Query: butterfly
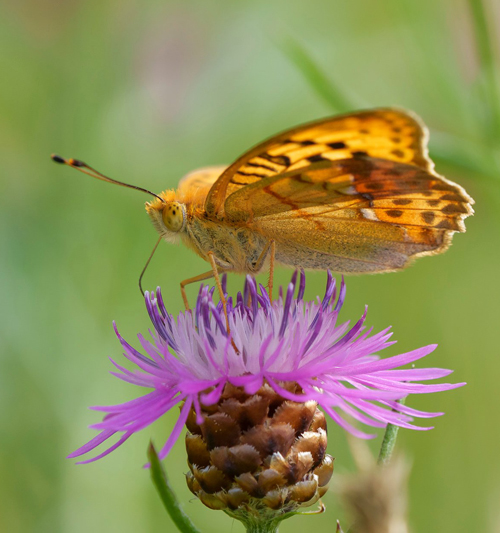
355	193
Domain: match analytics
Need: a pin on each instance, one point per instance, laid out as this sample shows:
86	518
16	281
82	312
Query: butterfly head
168	215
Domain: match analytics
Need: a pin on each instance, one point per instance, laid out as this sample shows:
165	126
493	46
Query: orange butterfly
356	193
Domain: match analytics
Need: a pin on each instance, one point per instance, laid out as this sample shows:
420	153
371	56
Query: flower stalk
167	495
388	442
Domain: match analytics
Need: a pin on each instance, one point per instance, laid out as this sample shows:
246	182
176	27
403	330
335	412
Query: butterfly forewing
383	133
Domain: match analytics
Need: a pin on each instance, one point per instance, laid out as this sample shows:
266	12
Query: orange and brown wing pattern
389	134
370	188
362	214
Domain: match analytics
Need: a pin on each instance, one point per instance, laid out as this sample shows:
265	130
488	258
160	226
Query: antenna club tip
58	159
71	162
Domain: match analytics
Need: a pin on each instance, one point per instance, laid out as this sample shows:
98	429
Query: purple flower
191	359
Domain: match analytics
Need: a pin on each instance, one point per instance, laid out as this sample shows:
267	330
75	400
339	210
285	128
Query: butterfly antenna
147	264
86	169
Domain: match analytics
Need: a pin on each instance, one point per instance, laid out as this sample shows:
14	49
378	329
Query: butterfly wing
389	134
355	194
353	215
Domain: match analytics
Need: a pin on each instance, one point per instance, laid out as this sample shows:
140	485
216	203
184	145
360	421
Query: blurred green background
147	91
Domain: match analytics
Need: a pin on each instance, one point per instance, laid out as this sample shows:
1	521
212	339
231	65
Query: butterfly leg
215	274
200	277
271	270
269	248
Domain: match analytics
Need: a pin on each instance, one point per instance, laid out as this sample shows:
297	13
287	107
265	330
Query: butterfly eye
173	216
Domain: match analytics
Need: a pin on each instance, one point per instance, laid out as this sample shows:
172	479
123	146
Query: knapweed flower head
293	349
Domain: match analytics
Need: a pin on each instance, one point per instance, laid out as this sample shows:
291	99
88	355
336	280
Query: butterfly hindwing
361	214
371	189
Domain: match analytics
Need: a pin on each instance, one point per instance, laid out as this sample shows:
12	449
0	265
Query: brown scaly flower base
258	457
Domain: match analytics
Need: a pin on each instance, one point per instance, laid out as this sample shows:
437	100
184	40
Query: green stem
258	518
254	523
262	527
389	441
159	478
487	63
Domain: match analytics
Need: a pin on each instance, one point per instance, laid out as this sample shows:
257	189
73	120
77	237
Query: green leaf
159	477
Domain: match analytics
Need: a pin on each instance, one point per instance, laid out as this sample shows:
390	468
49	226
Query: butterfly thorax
235	246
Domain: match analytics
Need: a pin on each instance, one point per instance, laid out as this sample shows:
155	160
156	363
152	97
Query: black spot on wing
252	174
316	158
452	209
452	197
394	213
235	181
402	201
339	145
428	217
277	159
260	165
